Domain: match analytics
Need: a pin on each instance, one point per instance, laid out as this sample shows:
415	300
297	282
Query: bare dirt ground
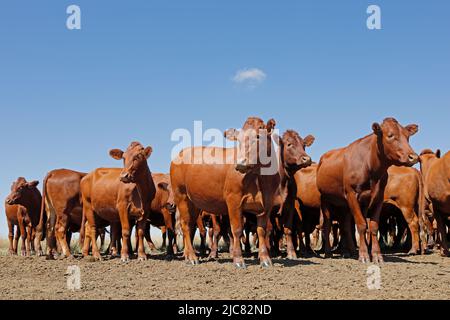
403	277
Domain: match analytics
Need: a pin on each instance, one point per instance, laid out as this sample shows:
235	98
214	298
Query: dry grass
4	245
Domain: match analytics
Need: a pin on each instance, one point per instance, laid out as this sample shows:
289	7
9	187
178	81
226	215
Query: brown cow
230	181
345	176
404	190
436	175
22	207
62	203
119	195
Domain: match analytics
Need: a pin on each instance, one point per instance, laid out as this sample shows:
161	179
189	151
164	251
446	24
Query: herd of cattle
365	195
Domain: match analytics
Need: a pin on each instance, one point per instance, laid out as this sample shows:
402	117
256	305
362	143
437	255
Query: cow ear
231	134
33	184
164	186
438	153
271	125
377	129
412	129
309	140
116	154
148	152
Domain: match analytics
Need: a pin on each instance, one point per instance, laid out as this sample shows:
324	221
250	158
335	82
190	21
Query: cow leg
89	213
441	231
214	237
141	226
102	234
12	249
148	238
361	224
347	232
23	236
236	230
413	223
326	228
186	220
264	256
62	222
115	239
169	231
248	249
202	232
288	219
82	231
87	239
126	231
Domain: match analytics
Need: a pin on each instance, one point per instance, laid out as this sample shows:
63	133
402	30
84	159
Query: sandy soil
403	277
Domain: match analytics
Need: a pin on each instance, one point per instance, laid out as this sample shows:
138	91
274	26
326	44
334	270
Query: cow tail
424	222
42	226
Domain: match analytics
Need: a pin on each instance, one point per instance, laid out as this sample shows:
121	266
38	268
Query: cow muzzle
126	177
413	159
305	161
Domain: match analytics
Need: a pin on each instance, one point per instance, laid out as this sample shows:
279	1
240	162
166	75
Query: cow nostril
413	158
306	159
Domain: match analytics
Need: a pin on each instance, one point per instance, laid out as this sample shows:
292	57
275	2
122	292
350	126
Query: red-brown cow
230	181
119	195
404	190
22	207
436	175
345	176
62	203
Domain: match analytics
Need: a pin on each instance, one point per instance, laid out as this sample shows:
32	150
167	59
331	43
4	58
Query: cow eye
391	136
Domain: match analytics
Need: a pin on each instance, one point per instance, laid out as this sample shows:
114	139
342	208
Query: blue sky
140	69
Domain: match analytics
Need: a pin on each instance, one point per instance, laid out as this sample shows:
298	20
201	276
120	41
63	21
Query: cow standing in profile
347	176
22	207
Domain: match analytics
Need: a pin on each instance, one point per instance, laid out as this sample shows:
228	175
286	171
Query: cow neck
144	184
377	162
282	171
33	201
425	169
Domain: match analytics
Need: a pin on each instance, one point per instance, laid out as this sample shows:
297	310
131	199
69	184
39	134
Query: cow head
20	190
254	139
292	148
427	157
393	141
134	159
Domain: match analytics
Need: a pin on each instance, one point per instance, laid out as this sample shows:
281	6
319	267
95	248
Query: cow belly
76	216
107	213
253	203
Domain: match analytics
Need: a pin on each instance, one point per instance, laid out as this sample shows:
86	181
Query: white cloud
250	77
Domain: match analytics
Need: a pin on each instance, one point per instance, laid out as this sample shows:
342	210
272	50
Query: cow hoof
364	259
292	258
169	257
445	253
266	264
240	265
328	255
193	262
125	259
212	257
413	252
40	253
142	259
377	259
